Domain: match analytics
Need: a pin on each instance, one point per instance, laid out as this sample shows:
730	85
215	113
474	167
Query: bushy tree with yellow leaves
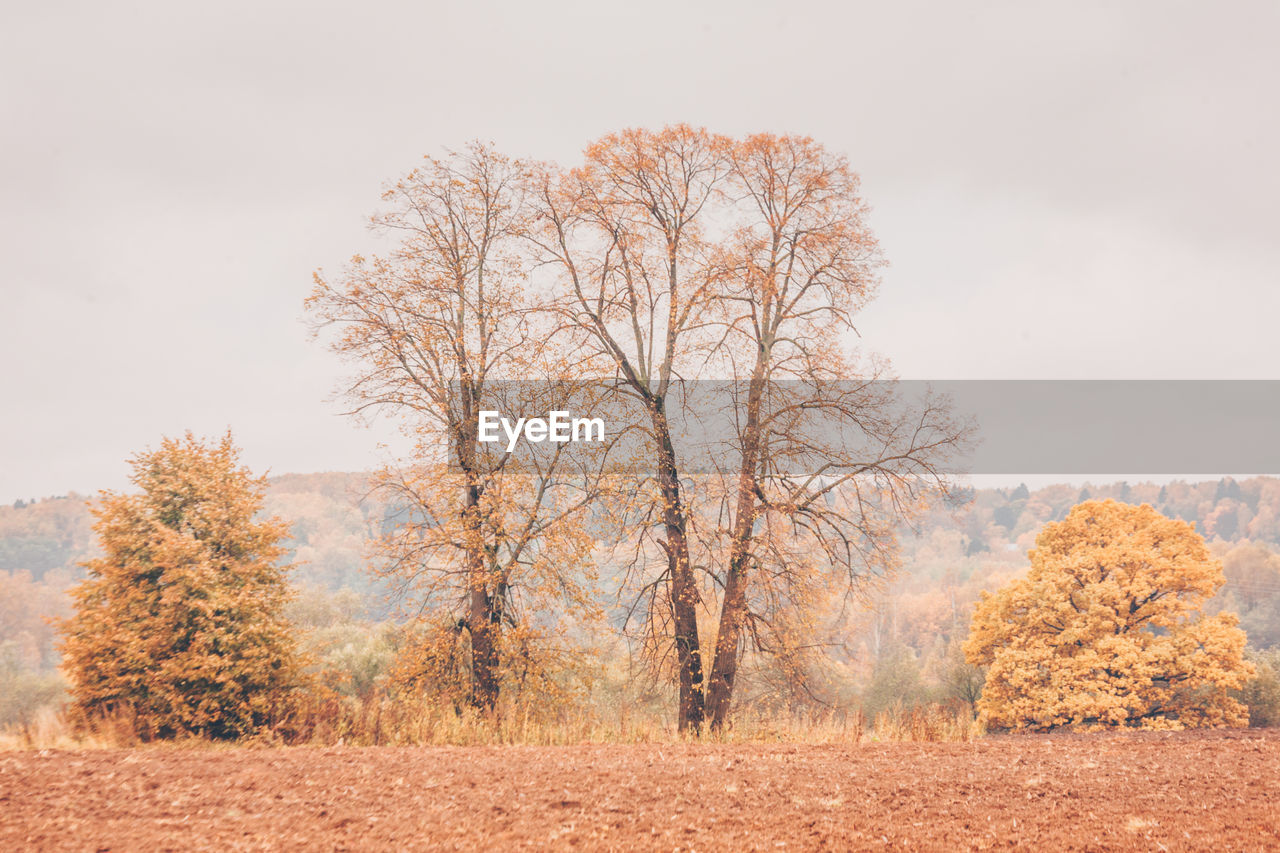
1107	629
180	624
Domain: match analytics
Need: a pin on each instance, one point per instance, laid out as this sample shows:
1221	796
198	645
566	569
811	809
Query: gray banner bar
1119	426
1026	427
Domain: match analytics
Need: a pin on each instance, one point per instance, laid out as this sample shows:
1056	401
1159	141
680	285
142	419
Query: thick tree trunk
484	651
483	614
733	615
684	590
733	610
684	610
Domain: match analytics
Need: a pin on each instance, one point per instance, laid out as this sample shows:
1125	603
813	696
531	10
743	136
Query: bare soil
1153	791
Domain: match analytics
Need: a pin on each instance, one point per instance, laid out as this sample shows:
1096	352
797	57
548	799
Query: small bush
1261	695
23	695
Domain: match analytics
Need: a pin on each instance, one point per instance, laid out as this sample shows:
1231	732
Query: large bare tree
666	256
829	458
627	233
683	254
437	330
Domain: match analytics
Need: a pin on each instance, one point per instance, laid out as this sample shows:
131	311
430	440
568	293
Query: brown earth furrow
1179	791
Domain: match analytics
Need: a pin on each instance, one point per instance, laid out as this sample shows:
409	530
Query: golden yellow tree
1107	629
180	623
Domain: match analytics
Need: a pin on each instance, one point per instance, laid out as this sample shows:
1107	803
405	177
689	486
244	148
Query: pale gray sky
1063	190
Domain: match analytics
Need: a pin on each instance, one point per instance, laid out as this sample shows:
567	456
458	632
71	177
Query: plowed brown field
1183	791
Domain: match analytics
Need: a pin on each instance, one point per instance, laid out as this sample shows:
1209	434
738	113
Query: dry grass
928	723
49	729
382	722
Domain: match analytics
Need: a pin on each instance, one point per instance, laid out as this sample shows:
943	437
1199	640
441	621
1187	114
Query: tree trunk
484	651
483	623
733	612
684	590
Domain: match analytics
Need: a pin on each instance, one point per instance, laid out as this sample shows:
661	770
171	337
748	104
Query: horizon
981	482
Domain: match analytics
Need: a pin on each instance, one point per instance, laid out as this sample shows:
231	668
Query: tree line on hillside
332	516
181	626
901	651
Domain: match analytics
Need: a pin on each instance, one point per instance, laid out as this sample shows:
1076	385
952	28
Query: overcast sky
1063	191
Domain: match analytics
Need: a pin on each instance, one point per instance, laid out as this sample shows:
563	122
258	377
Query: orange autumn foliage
180	625
1107	629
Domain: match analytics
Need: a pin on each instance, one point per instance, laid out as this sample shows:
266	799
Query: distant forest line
953	555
